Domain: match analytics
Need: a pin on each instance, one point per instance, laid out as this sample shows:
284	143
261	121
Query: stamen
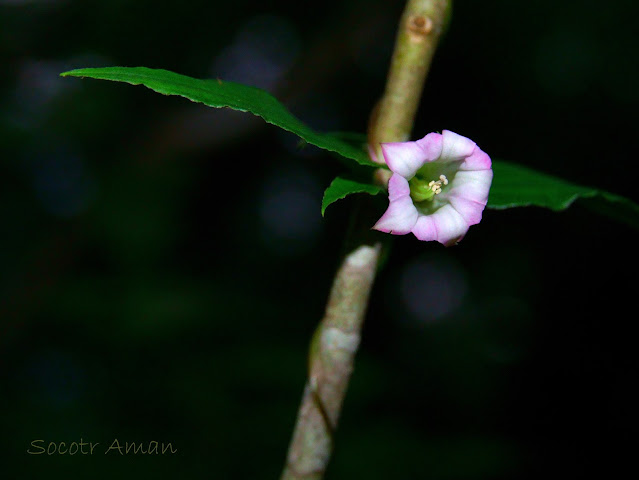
436	185
420	191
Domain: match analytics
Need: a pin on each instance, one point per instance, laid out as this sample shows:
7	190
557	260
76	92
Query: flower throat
423	190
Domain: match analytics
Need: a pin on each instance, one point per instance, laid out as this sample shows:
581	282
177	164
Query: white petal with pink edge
478	160
470	210
403	158
472	184
399	218
450	225
455	147
397	187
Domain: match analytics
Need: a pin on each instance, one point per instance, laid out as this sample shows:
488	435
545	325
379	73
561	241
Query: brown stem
338	335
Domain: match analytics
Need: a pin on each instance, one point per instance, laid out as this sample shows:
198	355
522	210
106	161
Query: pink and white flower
439	187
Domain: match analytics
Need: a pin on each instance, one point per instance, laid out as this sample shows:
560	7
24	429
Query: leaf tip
71	73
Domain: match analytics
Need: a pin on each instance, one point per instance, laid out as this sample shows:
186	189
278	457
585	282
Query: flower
438	189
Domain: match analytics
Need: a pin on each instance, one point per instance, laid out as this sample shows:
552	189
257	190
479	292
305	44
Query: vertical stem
337	337
330	364
420	28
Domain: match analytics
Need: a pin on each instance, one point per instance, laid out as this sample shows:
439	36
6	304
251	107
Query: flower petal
470	210
446	225
401	215
455	147
471	185
403	158
398	187
399	218
478	160
451	226
425	228
406	158
432	145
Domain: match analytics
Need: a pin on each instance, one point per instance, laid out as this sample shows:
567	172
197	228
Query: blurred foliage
152	287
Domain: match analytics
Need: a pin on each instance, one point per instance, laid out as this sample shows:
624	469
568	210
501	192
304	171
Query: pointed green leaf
517	186
342	187
217	93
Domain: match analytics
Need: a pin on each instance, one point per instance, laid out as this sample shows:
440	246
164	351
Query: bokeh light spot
261	53
431	288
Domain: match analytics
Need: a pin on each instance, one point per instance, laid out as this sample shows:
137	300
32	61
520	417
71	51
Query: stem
330	364
337	337
420	27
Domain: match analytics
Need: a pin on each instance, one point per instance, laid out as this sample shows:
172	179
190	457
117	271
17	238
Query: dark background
163	265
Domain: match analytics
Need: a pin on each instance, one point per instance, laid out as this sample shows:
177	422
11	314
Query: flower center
422	190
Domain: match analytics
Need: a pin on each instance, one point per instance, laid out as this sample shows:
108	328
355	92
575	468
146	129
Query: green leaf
517	186
218	94
342	187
